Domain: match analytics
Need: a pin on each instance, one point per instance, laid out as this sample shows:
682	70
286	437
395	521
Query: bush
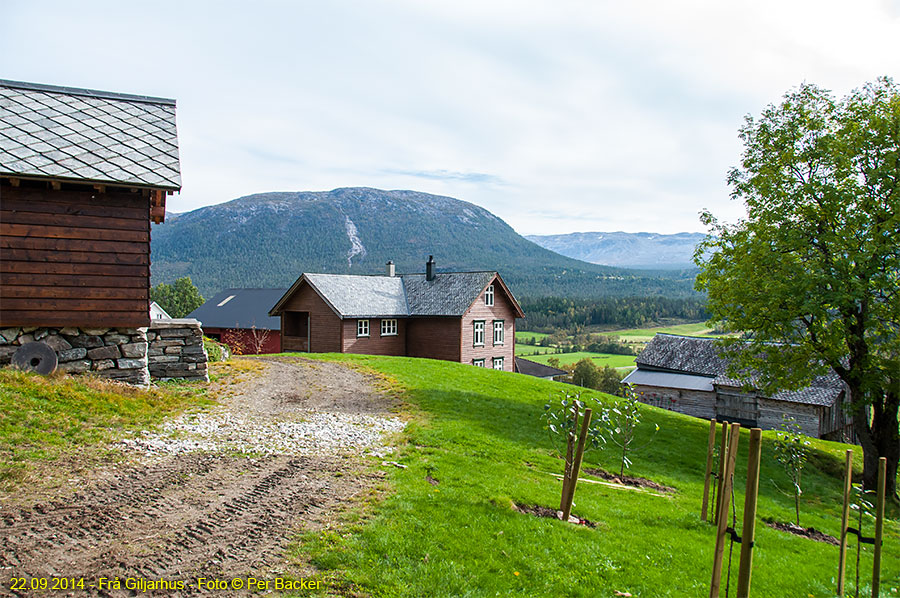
215	350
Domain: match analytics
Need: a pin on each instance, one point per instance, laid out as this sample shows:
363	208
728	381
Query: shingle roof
407	295
240	308
361	296
449	294
533	368
703	357
78	134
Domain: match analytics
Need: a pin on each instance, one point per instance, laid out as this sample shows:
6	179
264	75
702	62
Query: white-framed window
478	333
489	295
362	328
389	327
498	332
479	363
497	363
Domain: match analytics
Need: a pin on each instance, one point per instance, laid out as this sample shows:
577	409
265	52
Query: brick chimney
390	268
429	268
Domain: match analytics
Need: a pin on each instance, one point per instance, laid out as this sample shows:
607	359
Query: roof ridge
91	93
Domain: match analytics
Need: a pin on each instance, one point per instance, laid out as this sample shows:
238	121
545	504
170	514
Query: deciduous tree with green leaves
814	267
179	298
791	449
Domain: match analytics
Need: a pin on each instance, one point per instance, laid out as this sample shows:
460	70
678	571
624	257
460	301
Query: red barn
469	317
240	319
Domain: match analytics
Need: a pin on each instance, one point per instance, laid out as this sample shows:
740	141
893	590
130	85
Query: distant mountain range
625	250
269	239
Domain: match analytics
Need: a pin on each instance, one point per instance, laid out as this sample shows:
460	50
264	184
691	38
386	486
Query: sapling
562	419
622	424
791	451
863	508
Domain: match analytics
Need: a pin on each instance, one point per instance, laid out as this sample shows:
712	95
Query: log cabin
691	375
83	173
468	317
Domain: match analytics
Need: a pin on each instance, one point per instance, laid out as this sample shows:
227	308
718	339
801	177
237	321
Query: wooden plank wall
324	324
374	344
501	310
74	257
433	338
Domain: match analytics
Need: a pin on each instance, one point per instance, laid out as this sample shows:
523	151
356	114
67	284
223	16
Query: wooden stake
722	516
845	518
711	445
879	526
576	466
748	530
567	469
723	448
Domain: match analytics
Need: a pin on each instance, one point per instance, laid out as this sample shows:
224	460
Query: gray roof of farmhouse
406	295
240	308
449	294
533	368
64	133
702	357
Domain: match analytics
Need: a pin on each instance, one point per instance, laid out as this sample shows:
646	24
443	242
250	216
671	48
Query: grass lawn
600	359
477	432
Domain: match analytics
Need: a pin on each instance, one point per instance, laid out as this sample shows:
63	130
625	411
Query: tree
815	265
791	449
179	298
586	374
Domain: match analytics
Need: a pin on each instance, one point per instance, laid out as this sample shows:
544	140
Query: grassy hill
477	433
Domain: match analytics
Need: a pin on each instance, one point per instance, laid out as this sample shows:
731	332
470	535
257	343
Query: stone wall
115	353
176	350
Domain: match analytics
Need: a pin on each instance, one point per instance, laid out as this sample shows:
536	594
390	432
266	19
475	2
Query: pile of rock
116	353
176	350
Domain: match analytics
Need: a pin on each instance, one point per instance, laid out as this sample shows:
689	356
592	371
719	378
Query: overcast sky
558	116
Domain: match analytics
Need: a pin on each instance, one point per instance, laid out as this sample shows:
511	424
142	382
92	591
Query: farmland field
599	359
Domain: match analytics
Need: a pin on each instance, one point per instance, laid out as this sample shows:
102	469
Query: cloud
448	175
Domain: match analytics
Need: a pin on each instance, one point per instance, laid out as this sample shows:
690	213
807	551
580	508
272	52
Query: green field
522	337
646	334
600	359
474	446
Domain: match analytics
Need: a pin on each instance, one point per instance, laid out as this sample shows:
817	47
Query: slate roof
361	296
85	135
702	357
240	308
449	294
533	368
406	295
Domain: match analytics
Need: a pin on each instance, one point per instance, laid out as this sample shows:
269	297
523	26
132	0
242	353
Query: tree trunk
881	439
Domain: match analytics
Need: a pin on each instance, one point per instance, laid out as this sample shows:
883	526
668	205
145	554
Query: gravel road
215	494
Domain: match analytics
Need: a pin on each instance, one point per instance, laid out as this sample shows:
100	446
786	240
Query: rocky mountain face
625	250
269	239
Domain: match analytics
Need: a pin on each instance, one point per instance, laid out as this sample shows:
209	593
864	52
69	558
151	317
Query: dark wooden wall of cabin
324	324
374	344
73	257
434	338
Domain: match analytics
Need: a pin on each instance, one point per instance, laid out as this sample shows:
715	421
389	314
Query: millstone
35	357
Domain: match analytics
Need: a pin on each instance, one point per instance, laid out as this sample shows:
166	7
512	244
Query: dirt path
220	512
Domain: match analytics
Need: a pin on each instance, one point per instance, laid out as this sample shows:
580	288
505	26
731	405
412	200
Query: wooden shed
690	375
83	173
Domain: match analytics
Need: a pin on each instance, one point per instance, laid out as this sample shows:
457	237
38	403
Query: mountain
625	250
269	239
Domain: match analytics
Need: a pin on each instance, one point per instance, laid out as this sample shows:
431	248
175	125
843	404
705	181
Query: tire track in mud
205	514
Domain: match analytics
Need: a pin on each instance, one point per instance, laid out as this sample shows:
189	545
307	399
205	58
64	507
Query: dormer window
489	295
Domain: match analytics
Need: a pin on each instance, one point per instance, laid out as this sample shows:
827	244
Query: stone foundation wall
115	353
176	350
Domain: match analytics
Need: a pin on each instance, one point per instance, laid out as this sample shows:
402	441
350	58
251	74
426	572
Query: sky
558	116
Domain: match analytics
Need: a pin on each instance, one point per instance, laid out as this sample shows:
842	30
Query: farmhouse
469	317
240	319
82	175
690	375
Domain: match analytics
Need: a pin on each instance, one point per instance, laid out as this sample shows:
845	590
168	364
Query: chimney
429	268
390	268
